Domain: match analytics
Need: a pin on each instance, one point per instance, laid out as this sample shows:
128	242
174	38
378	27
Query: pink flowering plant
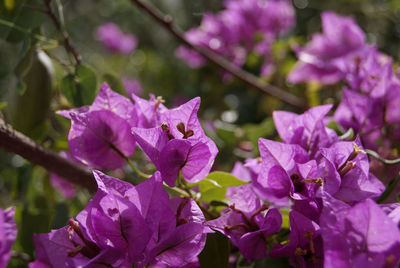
113	153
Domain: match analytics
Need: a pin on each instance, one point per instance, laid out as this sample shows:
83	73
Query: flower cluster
311	197
316	175
104	135
371	95
243	27
125	225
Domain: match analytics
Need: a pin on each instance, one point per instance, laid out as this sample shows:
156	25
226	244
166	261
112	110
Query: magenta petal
306	130
187	114
107	99
93	135
359	235
148	111
52	248
152	201
303	72
278	181
252	246
299	227
8	234
181	245
198	163
108	184
379	231
241	172
172	158
111	36
277	153
151	141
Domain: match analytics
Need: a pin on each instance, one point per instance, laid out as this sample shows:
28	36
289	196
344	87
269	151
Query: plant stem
21	256
36	36
59	26
137	171
383	160
389	189
16	142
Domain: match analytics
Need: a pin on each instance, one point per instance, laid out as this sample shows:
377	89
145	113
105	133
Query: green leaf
21	87
21	17
29	102
285	218
213	187
215	252
80	89
256	131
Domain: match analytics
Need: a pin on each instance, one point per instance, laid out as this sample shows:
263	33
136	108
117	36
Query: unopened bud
346	168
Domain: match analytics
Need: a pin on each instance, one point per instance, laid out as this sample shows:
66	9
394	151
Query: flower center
180	127
249	225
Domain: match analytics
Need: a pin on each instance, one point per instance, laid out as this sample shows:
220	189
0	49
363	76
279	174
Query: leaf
256	131
29	102
80	89
214	186
20	17
216	251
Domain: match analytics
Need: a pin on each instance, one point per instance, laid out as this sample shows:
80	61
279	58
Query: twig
16	142
389	189
21	256
248	78
38	37
383	160
349	134
38	9
135	169
68	45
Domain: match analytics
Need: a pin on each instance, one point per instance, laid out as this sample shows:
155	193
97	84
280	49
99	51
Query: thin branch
68	45
135	169
21	256
38	9
38	37
389	189
16	142
349	134
383	160
248	78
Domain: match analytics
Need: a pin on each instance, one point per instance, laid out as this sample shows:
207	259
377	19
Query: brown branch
16	142
68	45
248	78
